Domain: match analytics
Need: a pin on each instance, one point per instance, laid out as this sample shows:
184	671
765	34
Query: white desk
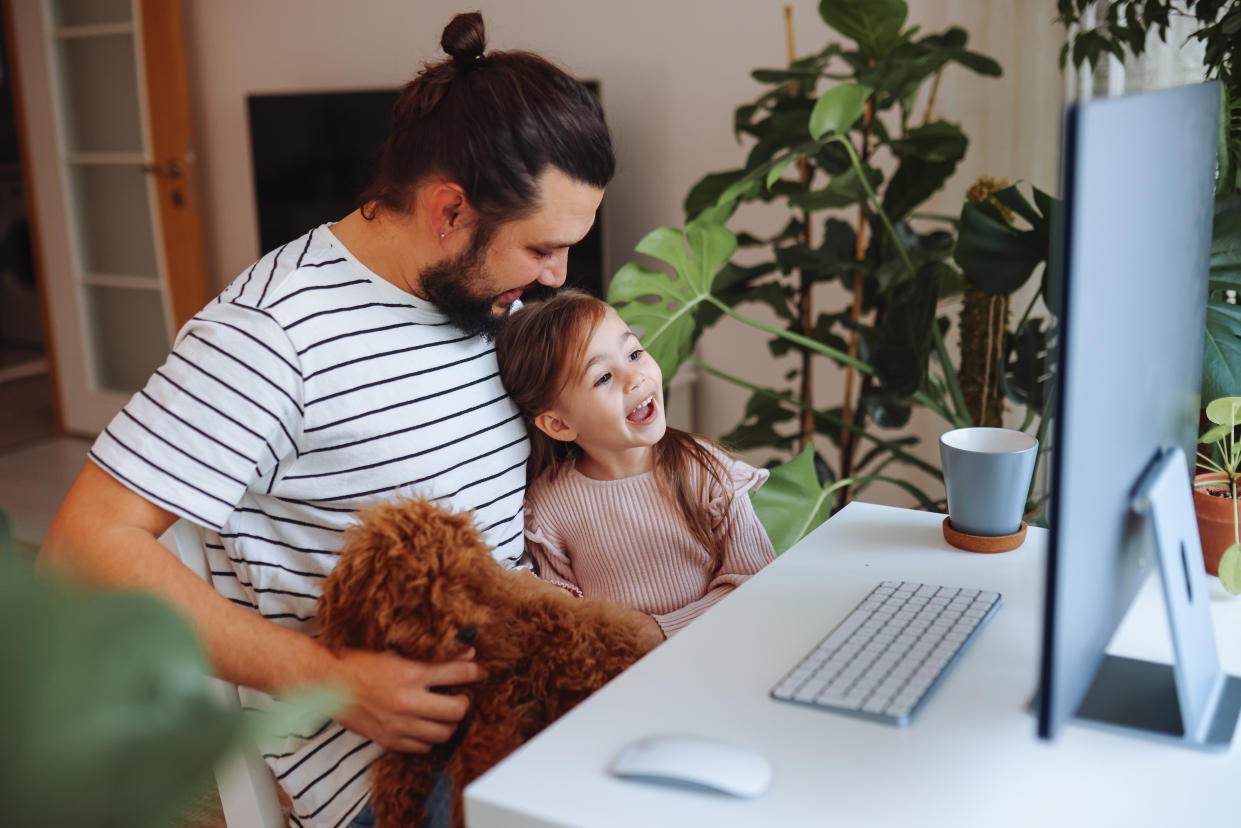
970	758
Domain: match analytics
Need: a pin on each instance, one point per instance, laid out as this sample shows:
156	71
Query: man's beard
450	286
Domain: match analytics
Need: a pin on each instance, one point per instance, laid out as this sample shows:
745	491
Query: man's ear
448	208
550	423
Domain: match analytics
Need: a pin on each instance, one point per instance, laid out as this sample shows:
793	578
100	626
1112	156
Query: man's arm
107	535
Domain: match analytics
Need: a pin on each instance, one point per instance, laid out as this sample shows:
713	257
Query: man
349	366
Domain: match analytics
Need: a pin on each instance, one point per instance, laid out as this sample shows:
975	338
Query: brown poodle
417	579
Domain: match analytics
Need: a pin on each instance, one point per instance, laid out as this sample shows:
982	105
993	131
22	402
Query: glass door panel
100	107
90	12
114	230
125	334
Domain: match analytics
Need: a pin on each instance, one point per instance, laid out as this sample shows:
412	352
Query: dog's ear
378	577
406	576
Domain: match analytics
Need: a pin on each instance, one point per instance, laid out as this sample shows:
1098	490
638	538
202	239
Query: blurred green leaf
838	109
936	141
1225	411
914	181
111	720
904	343
841	191
875	25
1229	569
777	170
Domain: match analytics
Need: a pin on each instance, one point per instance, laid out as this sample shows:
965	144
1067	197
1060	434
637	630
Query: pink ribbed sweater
625	540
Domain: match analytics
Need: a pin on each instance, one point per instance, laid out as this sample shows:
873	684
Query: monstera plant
822	134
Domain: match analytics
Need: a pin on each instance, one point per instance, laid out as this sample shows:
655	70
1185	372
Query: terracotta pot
1215	520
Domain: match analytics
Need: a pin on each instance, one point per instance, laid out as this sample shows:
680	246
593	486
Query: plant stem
894	449
874	199
961	415
918	397
855	309
805	302
950	375
795	338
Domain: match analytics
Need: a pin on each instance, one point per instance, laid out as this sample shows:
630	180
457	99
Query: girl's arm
748	550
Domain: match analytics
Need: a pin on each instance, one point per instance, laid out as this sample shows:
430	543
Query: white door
113	195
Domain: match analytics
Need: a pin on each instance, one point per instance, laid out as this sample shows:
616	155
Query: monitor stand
1191	702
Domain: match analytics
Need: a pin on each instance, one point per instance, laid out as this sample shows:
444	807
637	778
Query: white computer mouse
695	762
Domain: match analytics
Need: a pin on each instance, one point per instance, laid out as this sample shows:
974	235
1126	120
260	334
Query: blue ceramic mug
987	473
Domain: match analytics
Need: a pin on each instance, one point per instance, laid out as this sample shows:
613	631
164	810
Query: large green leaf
1025	364
1226	243
661	307
936	141
904	342
875	25
1221	357
793	502
950	44
838	109
1225	411
995	256
914	181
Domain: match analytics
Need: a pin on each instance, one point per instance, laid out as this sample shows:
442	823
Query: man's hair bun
464	40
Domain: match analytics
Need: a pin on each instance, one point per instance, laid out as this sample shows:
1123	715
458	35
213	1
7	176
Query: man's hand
393	703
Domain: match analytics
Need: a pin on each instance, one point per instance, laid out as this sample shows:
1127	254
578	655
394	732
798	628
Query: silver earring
441	236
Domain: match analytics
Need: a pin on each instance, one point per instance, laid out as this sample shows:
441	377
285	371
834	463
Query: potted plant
1215	493
821	146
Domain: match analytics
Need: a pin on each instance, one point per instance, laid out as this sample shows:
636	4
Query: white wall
671	73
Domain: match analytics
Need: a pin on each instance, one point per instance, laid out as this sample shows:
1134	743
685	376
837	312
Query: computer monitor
1130	262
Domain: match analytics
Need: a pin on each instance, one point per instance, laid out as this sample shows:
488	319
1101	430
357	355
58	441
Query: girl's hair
491	122
537	348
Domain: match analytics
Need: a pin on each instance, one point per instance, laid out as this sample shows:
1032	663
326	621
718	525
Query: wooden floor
205	812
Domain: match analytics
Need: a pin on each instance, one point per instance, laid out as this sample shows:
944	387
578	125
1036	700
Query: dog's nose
467	635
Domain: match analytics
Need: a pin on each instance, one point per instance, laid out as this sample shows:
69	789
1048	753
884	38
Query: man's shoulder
313	260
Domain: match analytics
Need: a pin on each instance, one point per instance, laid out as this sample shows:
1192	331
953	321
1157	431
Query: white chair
247	789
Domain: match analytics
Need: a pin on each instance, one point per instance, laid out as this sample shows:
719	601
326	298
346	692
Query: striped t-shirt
308	389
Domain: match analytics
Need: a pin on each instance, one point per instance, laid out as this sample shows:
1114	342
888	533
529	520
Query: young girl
620	506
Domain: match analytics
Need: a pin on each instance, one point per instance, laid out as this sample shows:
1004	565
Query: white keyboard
882	661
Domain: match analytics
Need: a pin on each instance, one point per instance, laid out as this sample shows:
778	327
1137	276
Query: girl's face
612	404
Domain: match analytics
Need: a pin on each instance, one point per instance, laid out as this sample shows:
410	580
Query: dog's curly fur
411	577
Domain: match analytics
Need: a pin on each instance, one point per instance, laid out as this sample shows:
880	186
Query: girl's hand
650	634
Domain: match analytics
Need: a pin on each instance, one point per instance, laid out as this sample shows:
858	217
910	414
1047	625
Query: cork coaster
979	543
